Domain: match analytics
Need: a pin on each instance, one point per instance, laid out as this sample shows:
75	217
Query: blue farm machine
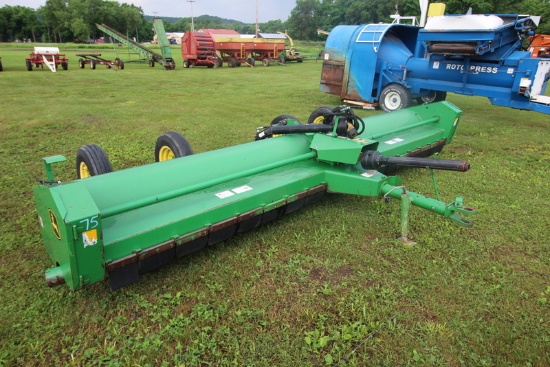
394	65
118	225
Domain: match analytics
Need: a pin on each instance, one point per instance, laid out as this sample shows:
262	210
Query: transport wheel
152	63
433	96
81	63
395	97
231	62
265	62
186	64
65	66
251	61
120	63
171	145
29	65
282	119
318	115
91	160
219	62
92	64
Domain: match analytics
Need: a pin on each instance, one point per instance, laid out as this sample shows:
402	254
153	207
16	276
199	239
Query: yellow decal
89	238
55	226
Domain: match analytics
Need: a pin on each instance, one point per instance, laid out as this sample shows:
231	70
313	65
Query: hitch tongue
457	208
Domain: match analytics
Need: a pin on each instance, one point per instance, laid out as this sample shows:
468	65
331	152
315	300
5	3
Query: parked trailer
391	65
118	225
198	49
212	47
95	59
48	56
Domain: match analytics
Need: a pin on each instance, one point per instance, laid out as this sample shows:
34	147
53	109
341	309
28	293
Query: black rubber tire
186	64
434	96
120	63
65	66
265	62
1	67
394	97
94	159
81	63
231	62
173	143
251	61
219	62
92	64
281	118
152	63
29	65
316	116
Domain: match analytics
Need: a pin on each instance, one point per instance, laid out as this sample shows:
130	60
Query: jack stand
405	205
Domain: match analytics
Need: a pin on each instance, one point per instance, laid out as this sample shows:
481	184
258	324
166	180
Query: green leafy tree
304	19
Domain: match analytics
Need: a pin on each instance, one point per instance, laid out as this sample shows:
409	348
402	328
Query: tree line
308	16
74	20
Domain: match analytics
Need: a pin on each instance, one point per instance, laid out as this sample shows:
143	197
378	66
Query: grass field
326	286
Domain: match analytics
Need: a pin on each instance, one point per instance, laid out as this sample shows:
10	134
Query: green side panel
403	131
139	229
76	246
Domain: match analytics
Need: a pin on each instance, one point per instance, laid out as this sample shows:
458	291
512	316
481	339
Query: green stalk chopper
118	225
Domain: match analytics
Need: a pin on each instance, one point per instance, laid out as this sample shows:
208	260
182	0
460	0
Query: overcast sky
243	10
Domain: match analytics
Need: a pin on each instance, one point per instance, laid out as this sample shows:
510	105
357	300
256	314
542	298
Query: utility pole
192	21
257	29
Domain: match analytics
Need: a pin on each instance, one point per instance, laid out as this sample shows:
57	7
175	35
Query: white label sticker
394	141
224	194
436	64
369	173
240	190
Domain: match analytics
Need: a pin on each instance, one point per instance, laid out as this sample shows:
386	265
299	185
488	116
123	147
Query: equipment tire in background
317	116
282	118
120	63
394	97
65	66
186	64
434	96
81	63
251	61
91	160
1	68
152	63
266	62
29	65
231	62
171	145
92	64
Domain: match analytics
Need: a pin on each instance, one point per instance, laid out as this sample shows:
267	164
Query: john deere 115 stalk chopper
118	225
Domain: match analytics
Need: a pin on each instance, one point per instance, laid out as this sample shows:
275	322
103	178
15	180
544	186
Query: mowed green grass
328	285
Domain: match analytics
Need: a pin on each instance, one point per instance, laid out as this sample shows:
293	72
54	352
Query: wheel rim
165	154
83	170
392	101
430	97
319	120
